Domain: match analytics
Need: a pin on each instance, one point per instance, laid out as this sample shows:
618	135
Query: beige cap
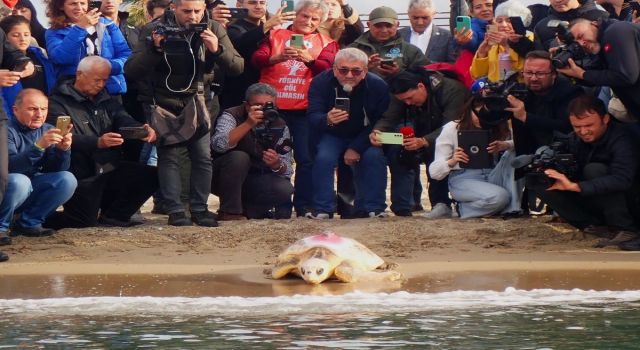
383	14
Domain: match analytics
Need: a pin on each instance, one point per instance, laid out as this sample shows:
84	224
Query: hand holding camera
562	183
256	115
517	108
210	40
271	158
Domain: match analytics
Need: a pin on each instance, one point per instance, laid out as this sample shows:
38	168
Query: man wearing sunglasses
344	104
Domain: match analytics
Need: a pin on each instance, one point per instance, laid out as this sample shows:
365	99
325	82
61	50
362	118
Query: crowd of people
510	109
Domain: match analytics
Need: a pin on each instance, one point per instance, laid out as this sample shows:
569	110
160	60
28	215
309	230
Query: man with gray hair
110	190
252	163
344	104
435	42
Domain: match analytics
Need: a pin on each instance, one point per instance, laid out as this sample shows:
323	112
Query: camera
494	95
570	49
171	31
267	135
270	112
555	156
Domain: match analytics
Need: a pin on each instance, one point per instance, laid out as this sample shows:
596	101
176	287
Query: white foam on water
313	304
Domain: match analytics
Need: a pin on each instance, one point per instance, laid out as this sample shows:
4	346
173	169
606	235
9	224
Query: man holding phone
344	104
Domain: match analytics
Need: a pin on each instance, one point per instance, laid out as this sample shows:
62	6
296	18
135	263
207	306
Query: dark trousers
298	124
252	194
117	194
4	157
608	209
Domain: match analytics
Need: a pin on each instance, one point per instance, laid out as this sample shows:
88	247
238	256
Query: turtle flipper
345	272
283	267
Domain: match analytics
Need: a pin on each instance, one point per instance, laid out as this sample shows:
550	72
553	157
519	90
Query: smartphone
62	124
197	27
289	5
475	143
21	64
238	13
387	62
343	103
390	138
95	5
133	132
297	41
492	28
517	25
463	23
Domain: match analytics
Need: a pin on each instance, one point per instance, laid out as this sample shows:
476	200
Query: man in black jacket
595	199
618	46
106	184
564	10
543	114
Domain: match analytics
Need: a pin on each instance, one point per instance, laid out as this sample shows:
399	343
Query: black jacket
620	53
545	36
618	150
90	119
149	66
547	115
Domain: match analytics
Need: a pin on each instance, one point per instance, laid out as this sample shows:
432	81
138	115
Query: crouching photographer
591	183
252	164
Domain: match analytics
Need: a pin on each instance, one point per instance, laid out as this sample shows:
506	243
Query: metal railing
441	19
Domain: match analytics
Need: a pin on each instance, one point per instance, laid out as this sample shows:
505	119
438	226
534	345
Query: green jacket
445	99
405	54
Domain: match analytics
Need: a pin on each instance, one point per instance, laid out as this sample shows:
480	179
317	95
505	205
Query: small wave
309	304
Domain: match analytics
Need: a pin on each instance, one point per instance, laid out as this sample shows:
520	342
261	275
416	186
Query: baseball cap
383	14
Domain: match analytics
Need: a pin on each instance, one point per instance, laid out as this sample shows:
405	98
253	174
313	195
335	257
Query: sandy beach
435	255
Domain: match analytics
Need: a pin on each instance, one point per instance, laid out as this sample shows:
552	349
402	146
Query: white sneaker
440	211
380	214
318	215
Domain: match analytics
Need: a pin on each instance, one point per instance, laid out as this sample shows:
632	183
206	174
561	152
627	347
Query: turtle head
315	270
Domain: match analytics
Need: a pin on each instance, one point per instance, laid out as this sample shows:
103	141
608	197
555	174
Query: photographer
618	46
174	61
249	175
543	113
607	161
425	101
344	103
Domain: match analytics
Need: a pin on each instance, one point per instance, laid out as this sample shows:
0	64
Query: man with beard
564	10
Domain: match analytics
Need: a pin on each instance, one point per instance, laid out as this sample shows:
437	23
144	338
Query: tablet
475	143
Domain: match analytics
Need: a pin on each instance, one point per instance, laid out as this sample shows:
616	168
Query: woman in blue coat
77	32
18	31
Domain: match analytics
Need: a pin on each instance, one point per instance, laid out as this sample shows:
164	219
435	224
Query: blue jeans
483	192
369	176
200	180
298	124
35	197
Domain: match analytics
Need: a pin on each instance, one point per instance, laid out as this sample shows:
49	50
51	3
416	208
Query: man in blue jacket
39	156
343	128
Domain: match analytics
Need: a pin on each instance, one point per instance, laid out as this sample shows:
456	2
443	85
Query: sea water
508	319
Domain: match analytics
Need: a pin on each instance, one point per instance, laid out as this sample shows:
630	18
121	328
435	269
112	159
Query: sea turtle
316	258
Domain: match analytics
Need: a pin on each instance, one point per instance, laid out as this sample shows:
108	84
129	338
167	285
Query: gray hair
514	8
352	54
260	89
420	4
30	91
313	4
87	63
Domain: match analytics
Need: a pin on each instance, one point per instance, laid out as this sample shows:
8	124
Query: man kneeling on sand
39	156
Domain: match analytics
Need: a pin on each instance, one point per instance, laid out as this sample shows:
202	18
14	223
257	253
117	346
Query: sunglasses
354	71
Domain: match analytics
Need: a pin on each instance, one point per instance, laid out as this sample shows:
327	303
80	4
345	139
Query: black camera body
494	95
554	156
265	132
177	31
570	49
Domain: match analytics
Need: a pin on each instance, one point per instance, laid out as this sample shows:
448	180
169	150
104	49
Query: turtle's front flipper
346	272
282	268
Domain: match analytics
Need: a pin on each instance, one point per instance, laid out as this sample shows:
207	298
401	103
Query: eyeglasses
536	74
354	71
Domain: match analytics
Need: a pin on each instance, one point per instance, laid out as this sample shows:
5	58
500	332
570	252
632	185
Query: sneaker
179	219
377	214
36	231
222	216
111	222
204	218
4	238
440	211
318	215
403	212
3	257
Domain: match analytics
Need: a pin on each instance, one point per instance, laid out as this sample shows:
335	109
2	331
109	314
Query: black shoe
159	209
179	219
4	238
204	218
620	238
633	245
3	257
37	231
599	231
417	207
404	212
111	222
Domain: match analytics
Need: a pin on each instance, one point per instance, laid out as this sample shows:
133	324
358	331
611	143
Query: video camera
555	156
570	49
494	95
266	134
169	31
